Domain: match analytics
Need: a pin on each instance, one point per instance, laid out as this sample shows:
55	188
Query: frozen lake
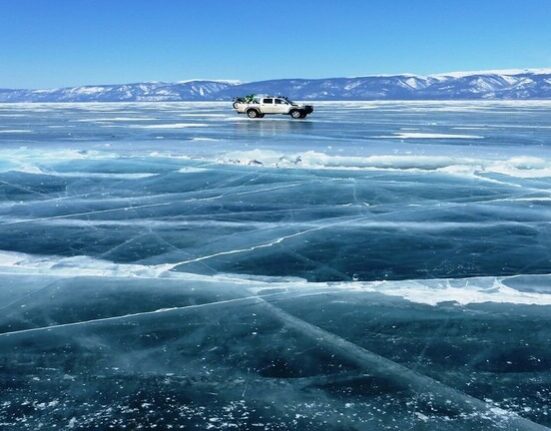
377	266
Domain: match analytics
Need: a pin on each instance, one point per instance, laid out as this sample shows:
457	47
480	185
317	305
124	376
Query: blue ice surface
378	265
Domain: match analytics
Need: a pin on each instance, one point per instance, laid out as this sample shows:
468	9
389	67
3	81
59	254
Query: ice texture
275	274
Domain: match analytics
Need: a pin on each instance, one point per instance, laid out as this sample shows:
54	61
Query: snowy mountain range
146	92
493	84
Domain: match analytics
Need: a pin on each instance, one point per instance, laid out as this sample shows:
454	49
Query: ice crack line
242	300
171	266
401	375
180	311
63	216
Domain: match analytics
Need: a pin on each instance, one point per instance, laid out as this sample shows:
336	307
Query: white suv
258	106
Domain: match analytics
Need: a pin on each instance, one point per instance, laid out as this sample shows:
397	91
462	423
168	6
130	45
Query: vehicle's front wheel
253	113
296	114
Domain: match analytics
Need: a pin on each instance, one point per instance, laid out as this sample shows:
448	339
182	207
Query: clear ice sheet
380	266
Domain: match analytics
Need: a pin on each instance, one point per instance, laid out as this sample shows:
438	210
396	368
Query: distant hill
501	84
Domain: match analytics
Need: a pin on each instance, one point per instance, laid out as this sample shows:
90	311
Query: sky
56	43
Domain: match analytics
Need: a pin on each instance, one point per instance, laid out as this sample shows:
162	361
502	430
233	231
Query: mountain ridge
508	84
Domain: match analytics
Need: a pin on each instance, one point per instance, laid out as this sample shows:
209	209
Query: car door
268	106
281	106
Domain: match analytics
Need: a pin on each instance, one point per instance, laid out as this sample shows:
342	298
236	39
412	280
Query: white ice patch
104	119
32	160
199	139
430	291
204	115
461	291
424	135
191	170
521	167
71	266
168	126
122	176
15	131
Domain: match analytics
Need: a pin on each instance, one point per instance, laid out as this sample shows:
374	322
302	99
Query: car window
268	101
278	101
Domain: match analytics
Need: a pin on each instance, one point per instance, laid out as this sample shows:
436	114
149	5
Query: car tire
253	113
296	114
234	105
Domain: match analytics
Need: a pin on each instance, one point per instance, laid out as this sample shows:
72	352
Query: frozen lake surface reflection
378	266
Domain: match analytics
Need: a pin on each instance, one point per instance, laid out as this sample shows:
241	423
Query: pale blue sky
53	43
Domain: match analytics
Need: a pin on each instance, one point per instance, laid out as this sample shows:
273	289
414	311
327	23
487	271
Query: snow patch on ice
420	135
32	160
520	167
461	291
122	176
198	139
103	119
191	170
204	115
424	291
168	126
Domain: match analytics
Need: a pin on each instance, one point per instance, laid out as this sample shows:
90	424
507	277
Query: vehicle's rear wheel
296	114
253	113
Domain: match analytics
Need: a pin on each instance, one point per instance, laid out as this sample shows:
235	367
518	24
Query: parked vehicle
257	106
